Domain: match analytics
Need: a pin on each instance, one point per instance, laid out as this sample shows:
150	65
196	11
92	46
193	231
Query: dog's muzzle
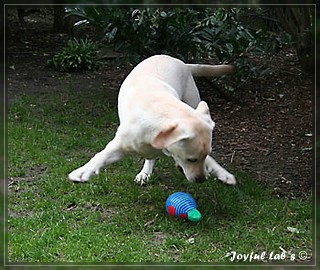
197	179
200	179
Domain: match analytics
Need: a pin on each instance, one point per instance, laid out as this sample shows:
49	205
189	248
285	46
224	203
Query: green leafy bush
76	55
147	31
187	33
191	34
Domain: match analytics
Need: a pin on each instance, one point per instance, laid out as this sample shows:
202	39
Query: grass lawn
111	218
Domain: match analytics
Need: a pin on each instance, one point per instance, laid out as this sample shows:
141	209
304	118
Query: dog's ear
168	135
203	109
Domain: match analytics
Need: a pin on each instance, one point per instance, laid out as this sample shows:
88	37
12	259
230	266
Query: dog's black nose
200	179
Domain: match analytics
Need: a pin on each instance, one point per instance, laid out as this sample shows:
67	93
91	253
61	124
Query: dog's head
188	142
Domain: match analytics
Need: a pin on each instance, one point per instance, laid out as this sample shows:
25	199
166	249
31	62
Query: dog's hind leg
145	174
112	153
191	95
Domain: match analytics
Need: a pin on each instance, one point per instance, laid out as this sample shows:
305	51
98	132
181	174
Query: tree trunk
297	22
58	19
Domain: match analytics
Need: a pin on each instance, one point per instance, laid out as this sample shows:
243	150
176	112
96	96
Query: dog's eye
192	160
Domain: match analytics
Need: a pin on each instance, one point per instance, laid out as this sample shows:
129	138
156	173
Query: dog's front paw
227	178
142	178
82	174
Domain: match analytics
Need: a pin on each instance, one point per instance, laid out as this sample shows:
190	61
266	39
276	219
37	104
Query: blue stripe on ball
182	202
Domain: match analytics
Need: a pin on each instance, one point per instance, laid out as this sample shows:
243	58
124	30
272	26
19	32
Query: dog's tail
209	70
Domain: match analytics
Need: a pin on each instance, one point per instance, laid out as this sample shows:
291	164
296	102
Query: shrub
76	55
191	34
187	33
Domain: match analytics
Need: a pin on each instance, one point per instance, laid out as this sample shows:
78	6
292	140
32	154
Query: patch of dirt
31	175
267	133
13	214
159	238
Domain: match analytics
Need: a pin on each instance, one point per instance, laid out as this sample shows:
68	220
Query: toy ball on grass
183	206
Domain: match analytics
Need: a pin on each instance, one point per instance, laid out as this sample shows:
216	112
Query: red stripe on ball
171	211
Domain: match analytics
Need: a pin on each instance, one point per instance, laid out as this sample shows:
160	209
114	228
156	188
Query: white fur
160	112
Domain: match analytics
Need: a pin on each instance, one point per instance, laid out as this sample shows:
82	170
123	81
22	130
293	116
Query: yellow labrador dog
160	112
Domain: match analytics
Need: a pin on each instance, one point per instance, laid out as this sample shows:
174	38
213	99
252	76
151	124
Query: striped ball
179	204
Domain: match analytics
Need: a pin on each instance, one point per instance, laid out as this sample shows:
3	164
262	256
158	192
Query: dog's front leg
112	153
222	174
145	174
